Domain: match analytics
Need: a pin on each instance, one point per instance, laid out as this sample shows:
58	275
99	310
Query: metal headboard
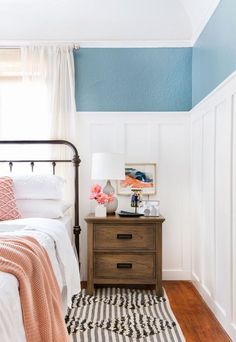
75	161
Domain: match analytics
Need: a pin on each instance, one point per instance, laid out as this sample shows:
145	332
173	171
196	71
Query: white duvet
52	235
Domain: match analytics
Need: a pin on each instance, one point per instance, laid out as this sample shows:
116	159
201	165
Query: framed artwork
138	176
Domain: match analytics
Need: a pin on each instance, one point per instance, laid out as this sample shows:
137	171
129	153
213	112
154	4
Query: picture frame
150	208
138	176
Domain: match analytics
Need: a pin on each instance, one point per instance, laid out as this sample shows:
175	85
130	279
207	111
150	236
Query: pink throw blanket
40	296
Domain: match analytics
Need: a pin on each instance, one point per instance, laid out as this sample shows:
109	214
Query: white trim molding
103	43
136	44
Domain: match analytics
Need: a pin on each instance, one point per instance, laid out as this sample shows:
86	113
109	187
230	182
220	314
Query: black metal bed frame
75	161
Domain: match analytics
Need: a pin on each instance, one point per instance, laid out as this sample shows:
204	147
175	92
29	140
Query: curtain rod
18	45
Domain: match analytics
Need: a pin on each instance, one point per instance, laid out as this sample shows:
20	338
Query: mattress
53	236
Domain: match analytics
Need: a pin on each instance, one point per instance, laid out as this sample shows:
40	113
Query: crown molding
16	44
103	43
135	44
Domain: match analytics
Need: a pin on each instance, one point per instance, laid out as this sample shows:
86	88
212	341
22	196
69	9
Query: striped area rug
122	315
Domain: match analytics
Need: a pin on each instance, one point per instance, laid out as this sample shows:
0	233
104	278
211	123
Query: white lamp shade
108	166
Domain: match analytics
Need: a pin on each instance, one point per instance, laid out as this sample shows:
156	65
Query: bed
54	236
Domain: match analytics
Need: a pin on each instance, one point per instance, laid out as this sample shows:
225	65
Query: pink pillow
8	208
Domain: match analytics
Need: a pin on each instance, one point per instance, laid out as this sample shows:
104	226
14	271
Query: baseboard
176	275
216	310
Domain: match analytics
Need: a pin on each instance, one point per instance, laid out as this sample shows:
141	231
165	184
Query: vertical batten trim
203	191
185	246
202	204
229	108
232	194
214	209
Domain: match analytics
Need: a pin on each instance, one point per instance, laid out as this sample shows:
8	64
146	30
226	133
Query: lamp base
111	207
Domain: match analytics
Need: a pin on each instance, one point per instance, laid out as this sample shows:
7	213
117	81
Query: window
24	108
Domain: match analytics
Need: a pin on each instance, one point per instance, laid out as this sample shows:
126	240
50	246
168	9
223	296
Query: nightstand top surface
113	218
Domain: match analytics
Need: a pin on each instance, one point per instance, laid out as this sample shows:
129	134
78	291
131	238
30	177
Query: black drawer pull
124	265
124	236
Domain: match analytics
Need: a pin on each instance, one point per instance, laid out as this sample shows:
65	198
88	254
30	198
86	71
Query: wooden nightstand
124	251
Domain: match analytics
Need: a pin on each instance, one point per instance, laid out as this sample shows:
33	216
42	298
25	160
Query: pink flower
102	198
93	195
96	188
97	194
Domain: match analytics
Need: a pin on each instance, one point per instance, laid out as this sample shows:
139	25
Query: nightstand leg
159	291
90	284
90	287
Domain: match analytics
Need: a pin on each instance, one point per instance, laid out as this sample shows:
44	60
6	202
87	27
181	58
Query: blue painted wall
158	79
214	54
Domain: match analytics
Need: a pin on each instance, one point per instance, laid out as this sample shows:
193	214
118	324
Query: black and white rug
122	315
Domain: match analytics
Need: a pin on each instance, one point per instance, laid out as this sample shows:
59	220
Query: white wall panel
162	138
137	142
173	189
103	137
214	221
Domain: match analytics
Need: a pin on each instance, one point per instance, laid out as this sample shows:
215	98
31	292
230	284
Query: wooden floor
195	318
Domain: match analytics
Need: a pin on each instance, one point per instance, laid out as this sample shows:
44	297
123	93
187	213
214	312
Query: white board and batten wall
196	183
162	138
213	199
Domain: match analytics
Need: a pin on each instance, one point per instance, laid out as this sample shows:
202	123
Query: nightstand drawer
124	236
119	265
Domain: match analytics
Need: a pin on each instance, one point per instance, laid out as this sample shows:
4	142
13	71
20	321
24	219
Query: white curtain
54	66
24	113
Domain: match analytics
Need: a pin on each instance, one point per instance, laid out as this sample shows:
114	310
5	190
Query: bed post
77	229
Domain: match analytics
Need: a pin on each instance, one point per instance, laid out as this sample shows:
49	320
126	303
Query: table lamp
108	166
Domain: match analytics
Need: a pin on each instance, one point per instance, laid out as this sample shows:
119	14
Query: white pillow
42	208
38	187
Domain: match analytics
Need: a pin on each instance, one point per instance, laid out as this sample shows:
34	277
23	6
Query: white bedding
67	221
53	236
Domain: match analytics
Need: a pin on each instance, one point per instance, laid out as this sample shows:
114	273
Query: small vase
100	211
